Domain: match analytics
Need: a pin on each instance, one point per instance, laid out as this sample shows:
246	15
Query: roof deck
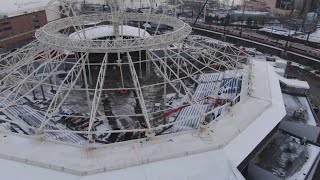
226	134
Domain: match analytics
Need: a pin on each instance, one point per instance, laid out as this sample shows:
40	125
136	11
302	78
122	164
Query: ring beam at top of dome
50	34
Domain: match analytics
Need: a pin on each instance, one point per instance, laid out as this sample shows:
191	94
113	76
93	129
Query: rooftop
225	139
133	106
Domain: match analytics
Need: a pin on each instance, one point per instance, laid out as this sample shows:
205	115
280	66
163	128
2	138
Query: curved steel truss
49	34
118	90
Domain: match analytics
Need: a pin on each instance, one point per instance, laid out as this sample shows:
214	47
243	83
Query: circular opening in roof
105	31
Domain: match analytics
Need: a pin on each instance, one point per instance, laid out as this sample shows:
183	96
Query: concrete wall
301	130
257	173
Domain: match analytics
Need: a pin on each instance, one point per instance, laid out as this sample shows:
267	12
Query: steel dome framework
113	80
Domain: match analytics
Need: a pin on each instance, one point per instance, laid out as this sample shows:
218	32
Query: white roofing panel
210	77
190	118
204	90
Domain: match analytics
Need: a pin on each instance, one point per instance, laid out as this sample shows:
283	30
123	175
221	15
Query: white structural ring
49	34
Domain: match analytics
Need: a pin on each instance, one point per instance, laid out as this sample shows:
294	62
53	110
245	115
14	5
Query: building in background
16	29
255	5
19	19
306	5
285	7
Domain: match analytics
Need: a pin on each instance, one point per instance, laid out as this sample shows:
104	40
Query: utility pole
244	7
175	8
287	43
204	13
225	28
195	22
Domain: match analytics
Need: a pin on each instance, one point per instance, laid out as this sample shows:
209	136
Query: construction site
120	89
105	78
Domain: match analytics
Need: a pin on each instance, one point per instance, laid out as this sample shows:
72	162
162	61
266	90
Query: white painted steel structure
49	34
69	72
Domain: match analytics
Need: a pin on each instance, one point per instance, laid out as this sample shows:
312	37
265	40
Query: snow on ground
253	50
257	54
279	31
262	57
303	67
250	12
210	41
314	37
18	6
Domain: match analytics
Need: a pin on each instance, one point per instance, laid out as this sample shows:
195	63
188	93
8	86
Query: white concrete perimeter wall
239	148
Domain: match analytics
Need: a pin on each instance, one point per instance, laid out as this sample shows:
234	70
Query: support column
140	65
117	9
85	79
148	66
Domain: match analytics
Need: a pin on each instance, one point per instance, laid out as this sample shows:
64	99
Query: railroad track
260	43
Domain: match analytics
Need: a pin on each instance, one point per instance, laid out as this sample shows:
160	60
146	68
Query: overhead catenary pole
195	22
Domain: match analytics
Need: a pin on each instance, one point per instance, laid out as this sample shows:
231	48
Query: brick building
20	28
19	20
